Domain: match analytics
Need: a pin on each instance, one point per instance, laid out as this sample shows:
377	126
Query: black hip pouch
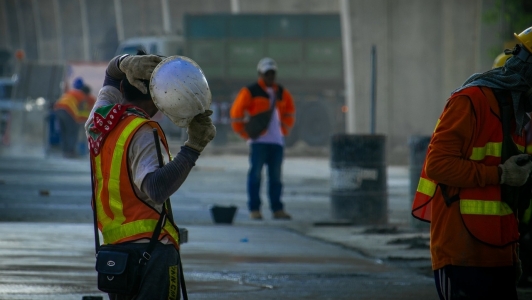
118	270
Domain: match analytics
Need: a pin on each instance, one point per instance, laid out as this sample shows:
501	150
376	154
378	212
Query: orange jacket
122	216
469	119
253	100
76	103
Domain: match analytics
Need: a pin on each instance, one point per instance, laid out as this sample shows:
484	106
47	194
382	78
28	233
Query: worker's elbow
431	171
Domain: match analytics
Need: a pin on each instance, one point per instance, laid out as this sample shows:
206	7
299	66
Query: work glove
139	67
515	170
200	131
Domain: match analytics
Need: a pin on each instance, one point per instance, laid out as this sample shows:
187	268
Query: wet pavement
47	247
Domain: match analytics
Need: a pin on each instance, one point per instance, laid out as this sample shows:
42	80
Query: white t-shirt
273	134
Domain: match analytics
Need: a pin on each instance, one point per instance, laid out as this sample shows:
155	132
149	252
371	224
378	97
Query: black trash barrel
358	179
418	150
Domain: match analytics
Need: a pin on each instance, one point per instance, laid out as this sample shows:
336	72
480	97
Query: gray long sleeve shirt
152	184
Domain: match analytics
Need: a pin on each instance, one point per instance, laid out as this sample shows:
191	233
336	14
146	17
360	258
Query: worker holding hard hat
130	188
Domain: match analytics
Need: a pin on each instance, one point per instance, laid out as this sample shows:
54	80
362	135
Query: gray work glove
512	173
200	131
139	67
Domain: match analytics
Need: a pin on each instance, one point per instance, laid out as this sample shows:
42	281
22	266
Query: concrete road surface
47	247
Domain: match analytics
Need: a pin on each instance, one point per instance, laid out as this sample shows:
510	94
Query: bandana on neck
105	119
515	76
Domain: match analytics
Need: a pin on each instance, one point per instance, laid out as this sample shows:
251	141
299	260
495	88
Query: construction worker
474	183
263	113
500	60
69	111
130	188
525	224
86	106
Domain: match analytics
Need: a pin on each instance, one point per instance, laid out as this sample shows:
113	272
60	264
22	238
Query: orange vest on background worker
71	102
253	100
484	214
85	108
122	216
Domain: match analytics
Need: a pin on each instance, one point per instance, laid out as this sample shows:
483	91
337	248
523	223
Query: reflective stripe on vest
120	222
479	207
485	215
527	214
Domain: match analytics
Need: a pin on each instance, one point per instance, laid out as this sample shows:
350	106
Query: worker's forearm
161	184
113	74
457	172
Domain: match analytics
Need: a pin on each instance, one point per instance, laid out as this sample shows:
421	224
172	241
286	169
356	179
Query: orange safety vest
122	216
72	102
485	215
253	100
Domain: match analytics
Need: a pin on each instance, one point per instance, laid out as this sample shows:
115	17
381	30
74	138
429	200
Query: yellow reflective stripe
527	214
102	217
171	230
481	207
437	123
426	187
115	234
491	149
112	235
173	292
115	201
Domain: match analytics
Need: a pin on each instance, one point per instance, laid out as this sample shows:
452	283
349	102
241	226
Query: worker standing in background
72	111
475	185
263	113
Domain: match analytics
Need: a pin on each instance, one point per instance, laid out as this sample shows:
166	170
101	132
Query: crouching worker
130	188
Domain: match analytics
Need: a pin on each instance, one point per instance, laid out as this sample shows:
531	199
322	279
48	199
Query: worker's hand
515	170
139	67
200	131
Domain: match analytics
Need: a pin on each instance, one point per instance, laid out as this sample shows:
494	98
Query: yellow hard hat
525	38
500	60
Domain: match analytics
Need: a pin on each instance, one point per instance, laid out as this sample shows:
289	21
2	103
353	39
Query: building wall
425	48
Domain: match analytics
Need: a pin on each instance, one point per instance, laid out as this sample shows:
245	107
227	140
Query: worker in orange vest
263	113
475	185
72	111
130	187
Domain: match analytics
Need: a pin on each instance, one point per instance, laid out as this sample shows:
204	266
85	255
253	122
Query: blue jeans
69	132
272	156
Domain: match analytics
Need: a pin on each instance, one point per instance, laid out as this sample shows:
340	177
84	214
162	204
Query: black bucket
358	179
223	214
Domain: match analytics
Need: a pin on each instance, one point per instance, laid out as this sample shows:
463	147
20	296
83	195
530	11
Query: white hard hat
179	89
266	64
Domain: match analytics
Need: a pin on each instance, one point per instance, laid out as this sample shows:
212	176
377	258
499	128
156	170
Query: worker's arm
110	92
447	160
288	115
157	183
163	182
238	112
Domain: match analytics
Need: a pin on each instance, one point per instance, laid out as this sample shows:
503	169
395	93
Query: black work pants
472	283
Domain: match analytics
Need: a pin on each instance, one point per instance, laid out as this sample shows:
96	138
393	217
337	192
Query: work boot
255	215
281	215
